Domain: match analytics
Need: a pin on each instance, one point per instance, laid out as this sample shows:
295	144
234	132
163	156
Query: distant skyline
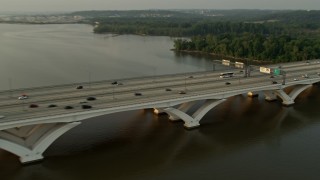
79	5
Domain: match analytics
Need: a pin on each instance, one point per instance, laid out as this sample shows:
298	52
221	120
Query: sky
76	5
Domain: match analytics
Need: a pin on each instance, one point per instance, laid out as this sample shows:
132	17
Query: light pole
283	77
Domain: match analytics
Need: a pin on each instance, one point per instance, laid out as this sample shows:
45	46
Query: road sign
239	65
265	70
226	62
276	71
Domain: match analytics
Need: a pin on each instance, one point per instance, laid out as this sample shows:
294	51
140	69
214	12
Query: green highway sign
276	71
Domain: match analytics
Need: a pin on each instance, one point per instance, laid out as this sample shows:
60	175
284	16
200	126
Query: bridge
28	126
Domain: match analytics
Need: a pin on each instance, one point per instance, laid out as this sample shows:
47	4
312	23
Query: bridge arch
191	121
288	99
30	142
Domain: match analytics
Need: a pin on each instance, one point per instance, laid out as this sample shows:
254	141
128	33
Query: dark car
137	94
227	83
168	89
271	76
33	105
182	92
274	82
114	82
52	105
68	107
91	98
79	87
85	106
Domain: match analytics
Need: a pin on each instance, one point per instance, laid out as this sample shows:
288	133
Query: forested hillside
268	35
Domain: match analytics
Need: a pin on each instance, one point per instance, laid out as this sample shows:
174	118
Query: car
1	116
190	77
318	74
295	79
182	92
168	89
91	98
274	82
114	82
85	106
119	84
137	94
79	87
68	107
305	76
271	76
227	83
33	105
23	96
52	105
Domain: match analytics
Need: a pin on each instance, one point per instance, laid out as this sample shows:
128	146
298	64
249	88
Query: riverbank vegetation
267	35
283	48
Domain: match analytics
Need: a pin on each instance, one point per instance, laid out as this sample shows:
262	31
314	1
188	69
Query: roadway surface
152	89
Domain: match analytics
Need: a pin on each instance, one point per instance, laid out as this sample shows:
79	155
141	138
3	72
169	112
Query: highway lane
124	99
108	97
134	83
127	99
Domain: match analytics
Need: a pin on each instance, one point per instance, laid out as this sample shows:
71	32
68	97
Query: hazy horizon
81	5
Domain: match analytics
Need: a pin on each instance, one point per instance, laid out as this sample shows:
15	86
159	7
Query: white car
23	97
295	79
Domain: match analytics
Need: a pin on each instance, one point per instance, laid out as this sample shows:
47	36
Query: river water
242	138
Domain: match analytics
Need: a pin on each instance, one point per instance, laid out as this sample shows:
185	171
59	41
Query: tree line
276	36
281	48
188	28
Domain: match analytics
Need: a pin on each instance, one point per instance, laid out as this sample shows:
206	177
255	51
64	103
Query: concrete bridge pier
183	108
287	99
270	95
30	142
192	121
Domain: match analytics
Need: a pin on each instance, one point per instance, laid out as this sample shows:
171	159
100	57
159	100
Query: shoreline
231	58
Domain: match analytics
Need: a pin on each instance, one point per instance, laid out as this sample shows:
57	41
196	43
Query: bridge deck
152	89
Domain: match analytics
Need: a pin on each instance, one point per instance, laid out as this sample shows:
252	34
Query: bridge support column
270	95
29	142
288	99
183	108
193	120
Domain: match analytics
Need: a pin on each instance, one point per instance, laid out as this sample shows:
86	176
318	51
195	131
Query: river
242	138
